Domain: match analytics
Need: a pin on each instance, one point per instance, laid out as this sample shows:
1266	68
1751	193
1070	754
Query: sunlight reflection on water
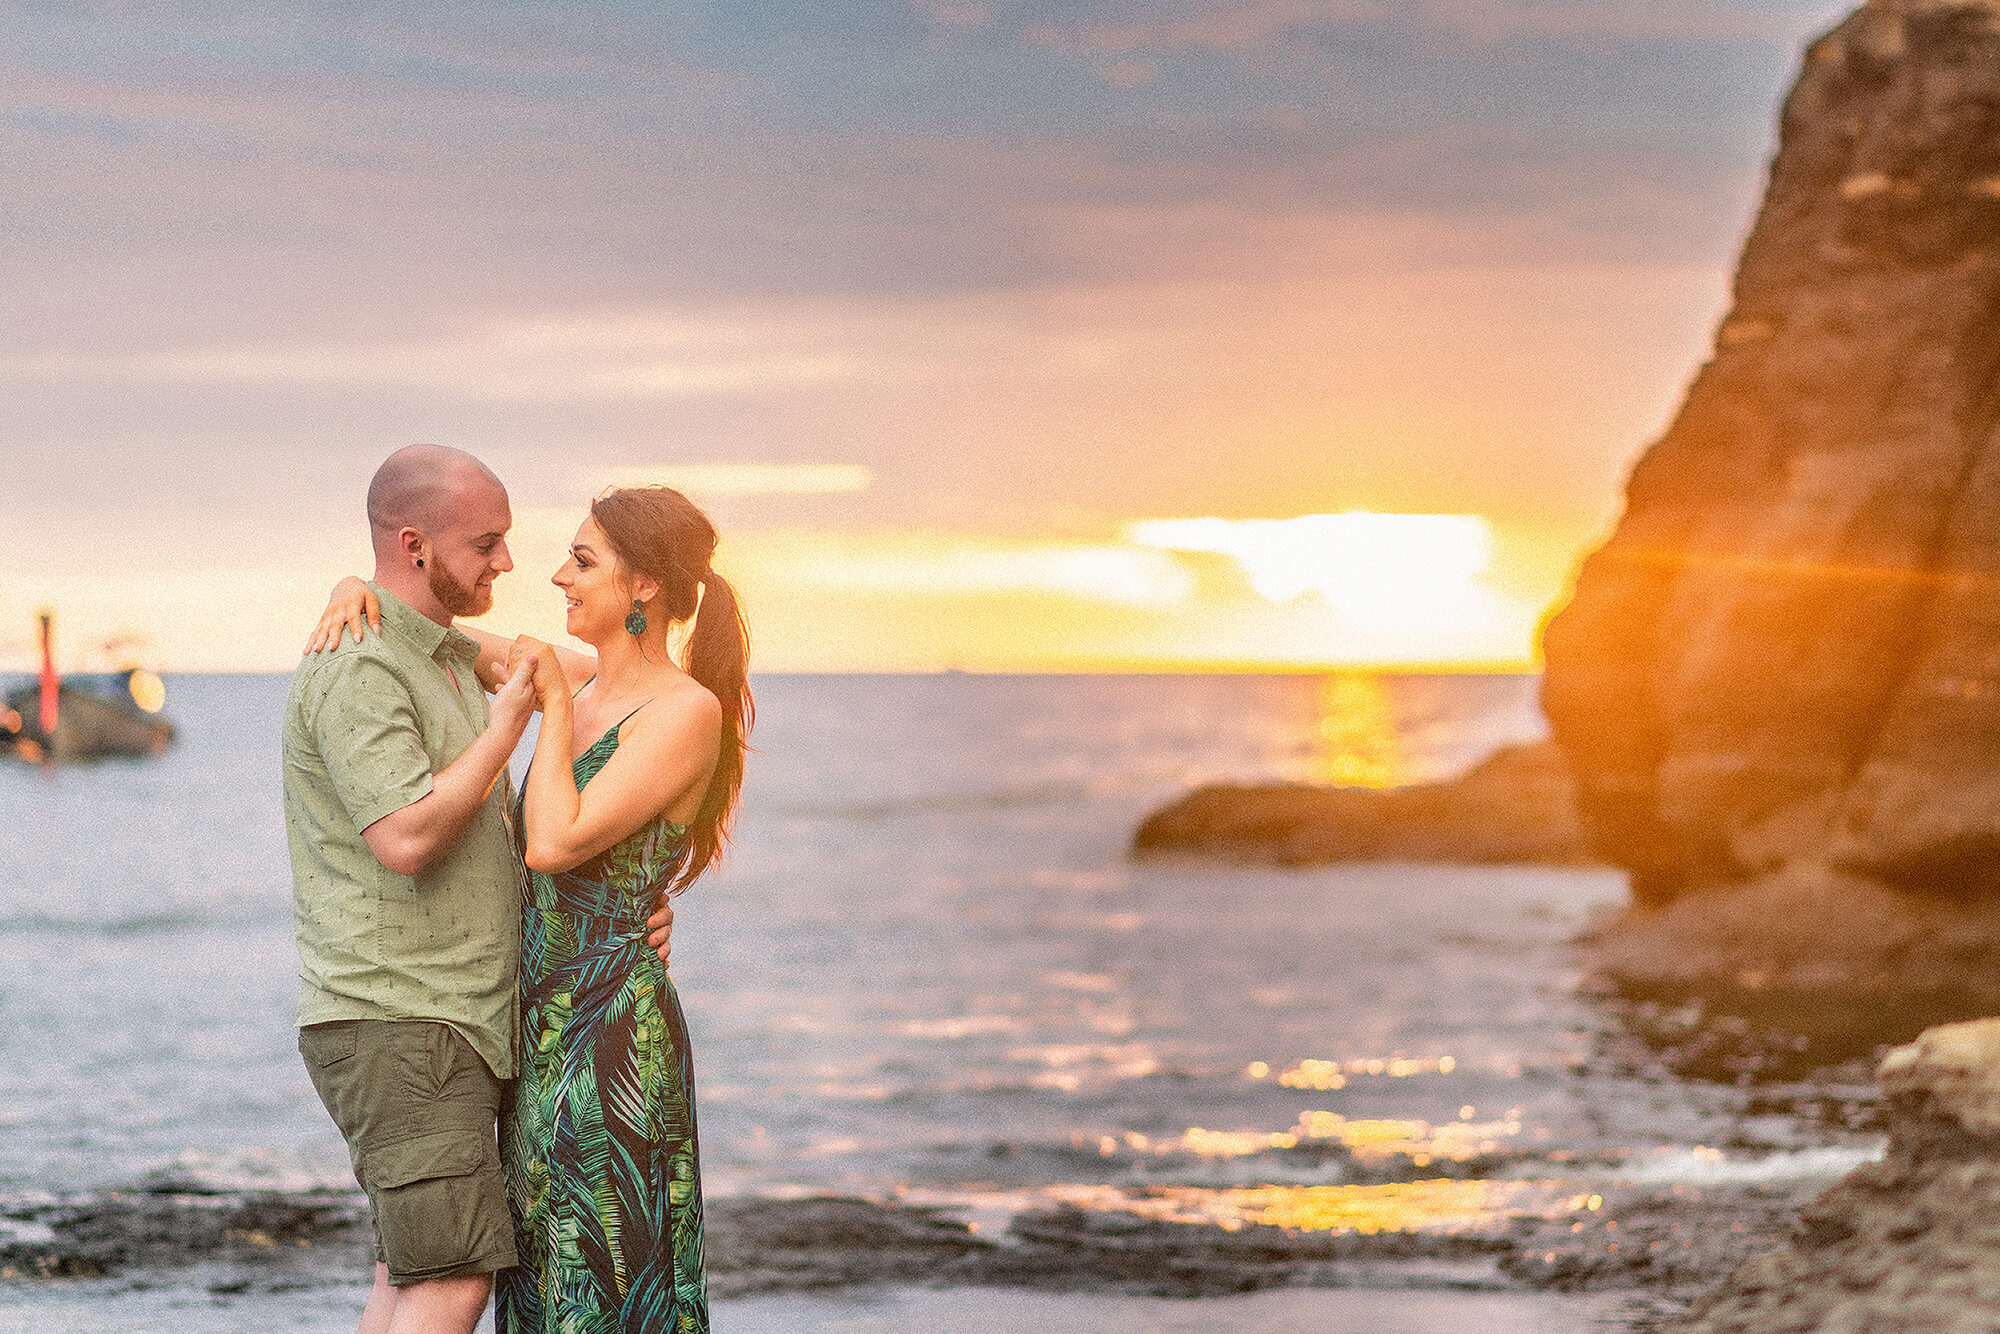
1359	743
1434	1206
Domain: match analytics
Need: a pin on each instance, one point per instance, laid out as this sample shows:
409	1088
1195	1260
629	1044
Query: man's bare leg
440	1305
381	1304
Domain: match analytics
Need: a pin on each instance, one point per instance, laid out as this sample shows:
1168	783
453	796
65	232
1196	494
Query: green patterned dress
598	1134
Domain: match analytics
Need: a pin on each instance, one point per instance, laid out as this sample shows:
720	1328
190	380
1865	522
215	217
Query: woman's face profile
592	587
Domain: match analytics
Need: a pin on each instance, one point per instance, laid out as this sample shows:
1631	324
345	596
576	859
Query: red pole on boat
50	683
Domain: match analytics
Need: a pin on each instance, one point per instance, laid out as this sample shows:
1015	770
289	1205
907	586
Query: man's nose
503	559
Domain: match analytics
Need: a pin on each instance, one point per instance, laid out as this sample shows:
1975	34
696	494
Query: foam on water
1703	1166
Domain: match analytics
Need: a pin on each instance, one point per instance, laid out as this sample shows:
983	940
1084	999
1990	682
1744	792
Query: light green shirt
365	728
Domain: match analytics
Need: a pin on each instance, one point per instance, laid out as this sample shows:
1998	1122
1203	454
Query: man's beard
457	598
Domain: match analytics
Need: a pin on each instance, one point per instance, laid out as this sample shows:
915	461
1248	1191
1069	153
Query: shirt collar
460	645
399	618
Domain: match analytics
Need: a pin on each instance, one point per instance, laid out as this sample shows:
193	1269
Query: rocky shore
1656	1246
1517	806
1909	1244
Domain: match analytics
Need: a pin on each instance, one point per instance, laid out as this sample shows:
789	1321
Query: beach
954	1048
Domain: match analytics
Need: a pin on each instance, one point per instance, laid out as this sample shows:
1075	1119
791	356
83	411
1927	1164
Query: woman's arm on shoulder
666	749
353	606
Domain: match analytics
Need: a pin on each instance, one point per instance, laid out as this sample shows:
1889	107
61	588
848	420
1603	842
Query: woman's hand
514	703
549	681
352	606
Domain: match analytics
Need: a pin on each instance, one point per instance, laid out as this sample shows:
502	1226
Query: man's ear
414	545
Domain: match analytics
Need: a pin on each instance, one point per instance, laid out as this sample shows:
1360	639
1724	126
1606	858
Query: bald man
407	892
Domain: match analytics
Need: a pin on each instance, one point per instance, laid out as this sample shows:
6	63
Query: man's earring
635	620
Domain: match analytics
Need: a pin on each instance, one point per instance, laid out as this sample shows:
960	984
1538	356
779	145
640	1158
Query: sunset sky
1000	297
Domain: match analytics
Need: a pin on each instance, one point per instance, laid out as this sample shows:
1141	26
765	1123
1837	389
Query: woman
631	790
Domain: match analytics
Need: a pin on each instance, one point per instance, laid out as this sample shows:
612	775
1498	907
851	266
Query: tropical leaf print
598	1138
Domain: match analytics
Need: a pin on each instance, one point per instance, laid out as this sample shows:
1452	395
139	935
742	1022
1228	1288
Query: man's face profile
469	549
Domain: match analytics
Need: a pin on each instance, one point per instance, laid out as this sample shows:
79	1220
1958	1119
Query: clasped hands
545	669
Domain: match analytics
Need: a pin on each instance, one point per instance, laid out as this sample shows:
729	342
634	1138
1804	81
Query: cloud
445	160
930	564
733	480
924	599
542	360
952	17
1381	573
1242	27
1252	28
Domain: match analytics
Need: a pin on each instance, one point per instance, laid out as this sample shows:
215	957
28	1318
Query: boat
83	717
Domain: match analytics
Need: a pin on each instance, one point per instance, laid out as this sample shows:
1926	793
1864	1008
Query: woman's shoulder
682	696
679	705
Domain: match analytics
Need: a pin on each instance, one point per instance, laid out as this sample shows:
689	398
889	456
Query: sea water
929	971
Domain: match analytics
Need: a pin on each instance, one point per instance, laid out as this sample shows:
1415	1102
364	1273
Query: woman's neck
624	665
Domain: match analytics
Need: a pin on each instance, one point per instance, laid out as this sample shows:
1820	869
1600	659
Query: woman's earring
635	620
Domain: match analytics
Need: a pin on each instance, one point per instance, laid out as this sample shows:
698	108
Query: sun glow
1377	571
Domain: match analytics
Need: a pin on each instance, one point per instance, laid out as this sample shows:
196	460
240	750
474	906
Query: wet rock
1911	1243
1659	1246
1842	962
151	1229
1670	1244
1090	1250
1517	806
758	1245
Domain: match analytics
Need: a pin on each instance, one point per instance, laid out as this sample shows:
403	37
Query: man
407	892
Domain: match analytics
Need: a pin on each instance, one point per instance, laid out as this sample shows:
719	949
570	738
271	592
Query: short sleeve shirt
366	727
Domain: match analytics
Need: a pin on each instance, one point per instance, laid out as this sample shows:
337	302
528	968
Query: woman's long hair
659	532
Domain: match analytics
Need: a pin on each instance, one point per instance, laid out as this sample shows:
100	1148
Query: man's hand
408	840
514	702
662	924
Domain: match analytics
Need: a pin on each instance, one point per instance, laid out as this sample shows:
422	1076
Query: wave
1702	1166
145	924
934	803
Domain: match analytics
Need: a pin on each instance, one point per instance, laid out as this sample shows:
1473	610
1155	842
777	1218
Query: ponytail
719	658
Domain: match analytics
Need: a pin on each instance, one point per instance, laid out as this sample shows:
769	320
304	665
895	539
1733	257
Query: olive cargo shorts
417	1107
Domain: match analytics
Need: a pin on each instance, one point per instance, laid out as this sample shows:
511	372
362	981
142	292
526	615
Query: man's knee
459	1287
459	1298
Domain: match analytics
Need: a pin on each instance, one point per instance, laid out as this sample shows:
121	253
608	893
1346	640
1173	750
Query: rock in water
1909	1245
1783	669
1516	806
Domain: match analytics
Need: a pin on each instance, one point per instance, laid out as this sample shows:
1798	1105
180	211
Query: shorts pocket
328	1044
421	1052
440	1207
451	1153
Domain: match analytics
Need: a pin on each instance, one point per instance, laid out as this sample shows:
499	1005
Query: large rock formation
1909	1245
1778	683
